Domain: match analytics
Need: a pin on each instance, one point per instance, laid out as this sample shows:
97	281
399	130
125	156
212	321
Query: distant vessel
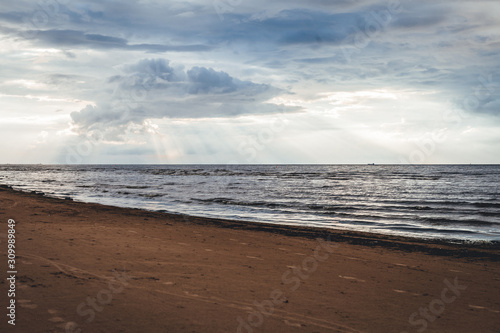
371	163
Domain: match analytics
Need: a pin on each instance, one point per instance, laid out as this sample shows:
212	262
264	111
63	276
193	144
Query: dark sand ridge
110	269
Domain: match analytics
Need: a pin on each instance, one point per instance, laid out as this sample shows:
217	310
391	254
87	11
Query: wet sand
94	268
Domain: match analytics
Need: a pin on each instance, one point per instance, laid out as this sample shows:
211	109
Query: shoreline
429	211
435	246
97	268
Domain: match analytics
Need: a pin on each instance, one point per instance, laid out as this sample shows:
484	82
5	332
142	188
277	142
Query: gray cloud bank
79	39
152	88
444	47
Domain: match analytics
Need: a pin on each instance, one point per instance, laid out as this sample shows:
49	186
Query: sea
450	202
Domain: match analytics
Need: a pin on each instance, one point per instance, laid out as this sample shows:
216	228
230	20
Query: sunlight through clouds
162	78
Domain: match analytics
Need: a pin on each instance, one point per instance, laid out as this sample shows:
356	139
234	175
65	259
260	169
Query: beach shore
84	267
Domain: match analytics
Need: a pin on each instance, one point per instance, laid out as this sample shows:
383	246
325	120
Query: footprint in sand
351	278
190	294
482	308
26	303
56	320
292	324
252	257
405	292
7	203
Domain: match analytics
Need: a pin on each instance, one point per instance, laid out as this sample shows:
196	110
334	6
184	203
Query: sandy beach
93	268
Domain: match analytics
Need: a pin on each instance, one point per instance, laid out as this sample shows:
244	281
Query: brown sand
108	269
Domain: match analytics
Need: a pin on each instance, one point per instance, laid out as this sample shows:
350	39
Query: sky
235	81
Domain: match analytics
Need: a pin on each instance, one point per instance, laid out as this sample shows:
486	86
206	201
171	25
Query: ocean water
425	201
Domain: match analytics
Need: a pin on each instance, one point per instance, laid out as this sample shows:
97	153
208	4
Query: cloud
62	79
287	28
153	89
207	80
423	16
78	39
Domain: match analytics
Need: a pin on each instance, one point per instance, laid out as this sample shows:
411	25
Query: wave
150	195
423	230
382	205
451	221
229	201
486	204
